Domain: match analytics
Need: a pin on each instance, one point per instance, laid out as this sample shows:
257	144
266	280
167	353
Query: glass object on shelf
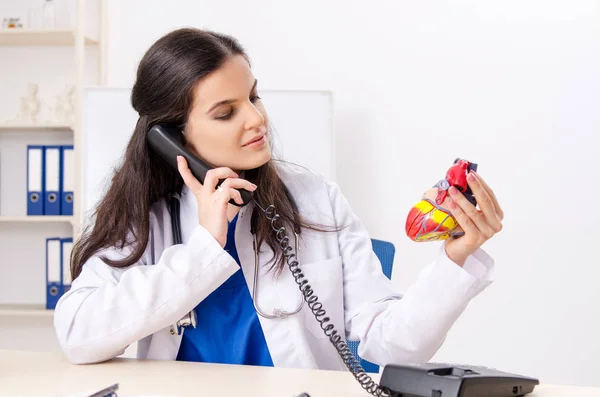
48	15
63	14
33	18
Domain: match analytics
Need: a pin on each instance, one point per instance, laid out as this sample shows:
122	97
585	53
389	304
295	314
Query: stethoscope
277	313
190	319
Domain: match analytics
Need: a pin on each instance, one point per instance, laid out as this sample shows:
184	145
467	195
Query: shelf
39	37
25	126
44	219
25	311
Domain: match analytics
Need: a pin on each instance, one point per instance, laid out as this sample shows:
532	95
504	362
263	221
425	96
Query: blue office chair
385	251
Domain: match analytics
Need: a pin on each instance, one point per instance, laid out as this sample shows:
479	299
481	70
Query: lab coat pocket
326	280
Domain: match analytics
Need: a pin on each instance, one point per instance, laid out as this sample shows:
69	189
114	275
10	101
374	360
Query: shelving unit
17	230
42	219
21	126
41	37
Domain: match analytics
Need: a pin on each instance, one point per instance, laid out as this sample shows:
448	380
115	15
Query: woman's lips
259	141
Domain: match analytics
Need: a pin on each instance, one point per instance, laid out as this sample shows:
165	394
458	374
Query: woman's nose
254	117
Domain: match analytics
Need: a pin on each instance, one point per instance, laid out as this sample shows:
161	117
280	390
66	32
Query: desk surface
47	374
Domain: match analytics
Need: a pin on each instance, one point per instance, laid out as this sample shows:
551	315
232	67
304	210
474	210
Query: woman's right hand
213	202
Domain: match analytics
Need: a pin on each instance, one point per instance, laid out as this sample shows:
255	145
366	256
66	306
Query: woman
132	283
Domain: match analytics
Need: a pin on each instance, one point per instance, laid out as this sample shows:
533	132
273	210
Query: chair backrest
385	251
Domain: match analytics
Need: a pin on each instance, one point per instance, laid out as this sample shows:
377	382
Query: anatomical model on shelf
64	108
29	108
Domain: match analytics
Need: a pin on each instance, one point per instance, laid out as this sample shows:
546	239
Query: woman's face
227	125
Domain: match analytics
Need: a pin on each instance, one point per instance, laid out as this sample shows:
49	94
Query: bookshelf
52	58
41	219
11	126
41	37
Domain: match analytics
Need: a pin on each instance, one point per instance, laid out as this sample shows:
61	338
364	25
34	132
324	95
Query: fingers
213	175
457	232
236	196
239	183
232	185
471	231
188	178
223	194
485	202
470	215
490	192
226	191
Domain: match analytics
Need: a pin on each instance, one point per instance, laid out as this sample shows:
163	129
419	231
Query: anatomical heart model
430	219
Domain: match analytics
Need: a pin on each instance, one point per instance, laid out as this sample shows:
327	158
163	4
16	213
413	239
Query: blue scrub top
228	330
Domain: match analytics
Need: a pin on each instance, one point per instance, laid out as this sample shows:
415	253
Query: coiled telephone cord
316	307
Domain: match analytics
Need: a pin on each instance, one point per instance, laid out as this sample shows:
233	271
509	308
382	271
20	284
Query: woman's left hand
479	225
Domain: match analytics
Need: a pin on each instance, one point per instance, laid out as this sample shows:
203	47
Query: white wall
512	85
22	244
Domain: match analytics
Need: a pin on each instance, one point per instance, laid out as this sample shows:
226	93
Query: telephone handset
418	380
167	141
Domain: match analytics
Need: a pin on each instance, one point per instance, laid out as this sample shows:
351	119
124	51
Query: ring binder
52	174
35	180
53	272
67	179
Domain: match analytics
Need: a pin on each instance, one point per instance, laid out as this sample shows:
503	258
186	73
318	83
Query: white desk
49	374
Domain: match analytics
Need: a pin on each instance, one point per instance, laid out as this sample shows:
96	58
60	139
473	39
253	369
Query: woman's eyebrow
229	101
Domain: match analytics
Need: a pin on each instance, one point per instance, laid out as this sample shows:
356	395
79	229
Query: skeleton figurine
429	219
29	109
64	108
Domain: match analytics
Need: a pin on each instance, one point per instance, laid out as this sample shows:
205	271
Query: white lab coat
107	308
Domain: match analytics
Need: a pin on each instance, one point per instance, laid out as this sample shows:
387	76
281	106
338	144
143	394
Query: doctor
132	283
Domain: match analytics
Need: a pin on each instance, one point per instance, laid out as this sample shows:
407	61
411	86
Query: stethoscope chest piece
189	319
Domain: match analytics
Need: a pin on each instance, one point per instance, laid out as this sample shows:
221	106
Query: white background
512	85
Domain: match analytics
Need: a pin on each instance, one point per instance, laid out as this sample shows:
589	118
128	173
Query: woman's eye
225	116
228	115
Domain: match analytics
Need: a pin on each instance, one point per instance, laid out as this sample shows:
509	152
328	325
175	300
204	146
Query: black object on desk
447	380
110	391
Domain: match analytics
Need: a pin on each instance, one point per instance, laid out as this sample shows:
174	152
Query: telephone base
447	380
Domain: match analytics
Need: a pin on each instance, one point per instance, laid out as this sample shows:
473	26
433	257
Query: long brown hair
163	93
